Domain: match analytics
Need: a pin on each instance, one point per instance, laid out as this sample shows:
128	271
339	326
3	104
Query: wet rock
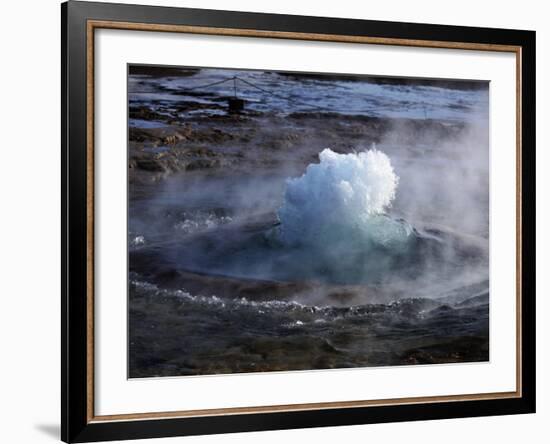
140	135
202	164
148	164
145	113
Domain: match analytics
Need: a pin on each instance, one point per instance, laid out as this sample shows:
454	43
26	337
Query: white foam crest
137	241
343	197
215	301
201	222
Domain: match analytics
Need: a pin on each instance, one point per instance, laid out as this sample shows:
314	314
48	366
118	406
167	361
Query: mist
238	224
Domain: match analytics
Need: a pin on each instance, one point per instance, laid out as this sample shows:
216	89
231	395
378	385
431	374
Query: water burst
342	201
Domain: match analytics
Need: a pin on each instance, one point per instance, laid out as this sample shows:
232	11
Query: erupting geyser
340	203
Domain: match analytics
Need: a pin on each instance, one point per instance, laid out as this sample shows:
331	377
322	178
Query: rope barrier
278	95
208	85
234	79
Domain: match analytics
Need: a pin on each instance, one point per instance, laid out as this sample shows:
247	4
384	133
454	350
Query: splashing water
339	204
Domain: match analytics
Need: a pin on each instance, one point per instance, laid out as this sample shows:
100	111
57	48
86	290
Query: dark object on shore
161	71
235	105
454	84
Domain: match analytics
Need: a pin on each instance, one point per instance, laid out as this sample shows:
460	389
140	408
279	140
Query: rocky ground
238	142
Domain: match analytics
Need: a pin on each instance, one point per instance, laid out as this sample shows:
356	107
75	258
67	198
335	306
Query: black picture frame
76	423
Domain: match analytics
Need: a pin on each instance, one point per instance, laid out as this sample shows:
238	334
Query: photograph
277	221
299	221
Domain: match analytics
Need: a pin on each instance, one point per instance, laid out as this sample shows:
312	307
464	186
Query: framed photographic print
276	221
